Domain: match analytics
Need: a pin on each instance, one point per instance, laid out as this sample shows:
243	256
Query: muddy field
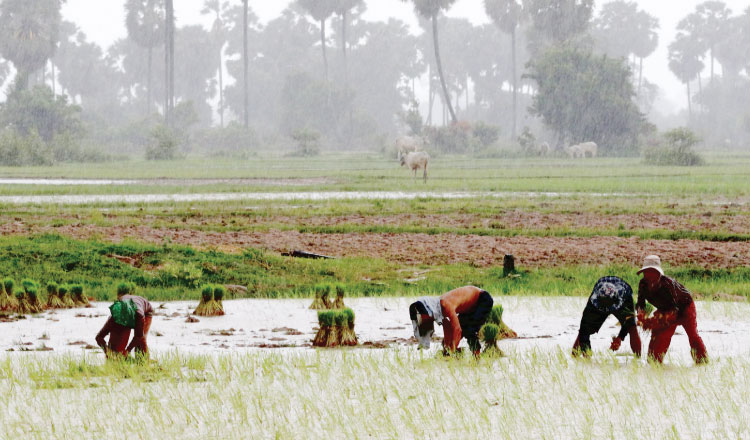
249	325
421	248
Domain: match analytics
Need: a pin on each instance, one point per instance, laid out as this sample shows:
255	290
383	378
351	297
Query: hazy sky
103	22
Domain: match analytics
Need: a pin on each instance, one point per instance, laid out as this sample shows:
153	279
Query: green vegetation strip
368	393
170	272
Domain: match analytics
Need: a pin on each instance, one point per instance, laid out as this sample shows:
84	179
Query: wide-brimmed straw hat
652	262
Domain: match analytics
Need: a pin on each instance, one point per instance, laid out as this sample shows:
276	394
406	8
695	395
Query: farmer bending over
461	312
611	296
128	312
674	306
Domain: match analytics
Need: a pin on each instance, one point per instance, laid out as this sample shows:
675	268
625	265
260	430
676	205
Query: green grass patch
171	272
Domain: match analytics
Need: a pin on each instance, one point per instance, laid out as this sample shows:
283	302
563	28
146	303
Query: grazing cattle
408	144
415	161
544	149
589	148
574	152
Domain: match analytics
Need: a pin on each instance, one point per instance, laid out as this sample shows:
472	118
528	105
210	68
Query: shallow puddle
282	196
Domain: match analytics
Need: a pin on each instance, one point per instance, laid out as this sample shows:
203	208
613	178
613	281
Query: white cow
415	161
589	148
574	152
407	144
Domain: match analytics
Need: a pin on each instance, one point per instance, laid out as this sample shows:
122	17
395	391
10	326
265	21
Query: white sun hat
652	262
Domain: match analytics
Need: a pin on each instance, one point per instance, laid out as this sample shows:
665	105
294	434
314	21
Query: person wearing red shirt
674	307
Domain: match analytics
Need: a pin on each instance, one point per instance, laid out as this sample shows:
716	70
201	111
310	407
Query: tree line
320	67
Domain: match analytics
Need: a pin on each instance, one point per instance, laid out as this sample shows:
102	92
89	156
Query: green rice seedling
32	296
348	336
339	324
20	294
8	302
207	296
321	300
53	298
326	320
496	317
218	306
338	303
125	288
489	334
76	297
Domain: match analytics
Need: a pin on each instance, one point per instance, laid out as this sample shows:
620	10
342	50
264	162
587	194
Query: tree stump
509	265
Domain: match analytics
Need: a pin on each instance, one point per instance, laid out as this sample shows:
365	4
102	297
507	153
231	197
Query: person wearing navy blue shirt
611	296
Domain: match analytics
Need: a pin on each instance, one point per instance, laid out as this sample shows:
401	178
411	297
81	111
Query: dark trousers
473	320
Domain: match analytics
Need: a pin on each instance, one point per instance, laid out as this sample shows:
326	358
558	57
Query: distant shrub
308	143
486	134
163	145
463	137
19	150
675	148
234	140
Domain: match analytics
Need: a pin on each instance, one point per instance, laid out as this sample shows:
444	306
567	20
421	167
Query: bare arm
103	334
451	326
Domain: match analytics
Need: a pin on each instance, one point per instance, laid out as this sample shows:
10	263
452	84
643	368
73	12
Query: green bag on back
123	313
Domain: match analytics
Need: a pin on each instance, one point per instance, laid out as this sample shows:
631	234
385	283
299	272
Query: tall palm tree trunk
221	90
246	99
515	83
323	48
439	64
344	19
148	81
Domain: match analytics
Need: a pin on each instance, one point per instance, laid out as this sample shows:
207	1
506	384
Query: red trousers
119	336
662	337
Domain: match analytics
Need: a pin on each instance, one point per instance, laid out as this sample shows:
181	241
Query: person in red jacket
674	306
128	312
461	312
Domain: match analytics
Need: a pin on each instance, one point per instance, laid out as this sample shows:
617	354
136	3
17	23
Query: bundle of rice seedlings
125	288
32	296
496	317
207	296
53	296
326	320
489	334
338	303
321	301
218	306
76	297
348	337
336	334
8	302
23	302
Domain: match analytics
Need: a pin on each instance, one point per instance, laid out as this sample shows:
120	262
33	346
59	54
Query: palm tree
29	31
245	66
647	41
169	62
507	15
217	7
430	9
343	8
320	10
144	20
685	62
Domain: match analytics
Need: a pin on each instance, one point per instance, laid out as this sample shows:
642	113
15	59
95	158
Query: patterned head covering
123	313
610	294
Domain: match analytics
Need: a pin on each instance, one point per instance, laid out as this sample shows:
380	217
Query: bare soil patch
431	249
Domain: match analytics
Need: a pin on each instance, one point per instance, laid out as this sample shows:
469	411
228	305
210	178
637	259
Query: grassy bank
170	272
